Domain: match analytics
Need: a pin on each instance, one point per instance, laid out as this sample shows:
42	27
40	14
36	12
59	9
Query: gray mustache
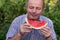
34	14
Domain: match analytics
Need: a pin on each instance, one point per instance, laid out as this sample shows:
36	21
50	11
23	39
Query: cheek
28	10
39	11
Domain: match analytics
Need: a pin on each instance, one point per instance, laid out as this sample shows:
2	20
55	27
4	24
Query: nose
34	10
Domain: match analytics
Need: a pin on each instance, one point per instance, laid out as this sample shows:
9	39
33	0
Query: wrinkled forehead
35	2
40	1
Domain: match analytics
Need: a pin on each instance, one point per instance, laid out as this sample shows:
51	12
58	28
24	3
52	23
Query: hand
46	31
24	28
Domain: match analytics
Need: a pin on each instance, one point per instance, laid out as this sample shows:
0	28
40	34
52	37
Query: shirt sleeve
13	29
53	34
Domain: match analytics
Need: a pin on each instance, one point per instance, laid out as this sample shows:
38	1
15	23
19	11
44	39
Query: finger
46	34
26	24
27	27
43	31
47	29
27	30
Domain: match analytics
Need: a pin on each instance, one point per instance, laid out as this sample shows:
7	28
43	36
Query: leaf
2	3
15	1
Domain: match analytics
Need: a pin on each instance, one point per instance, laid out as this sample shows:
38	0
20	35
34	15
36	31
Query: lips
34	14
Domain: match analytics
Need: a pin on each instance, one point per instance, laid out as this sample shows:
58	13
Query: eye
31	7
38	8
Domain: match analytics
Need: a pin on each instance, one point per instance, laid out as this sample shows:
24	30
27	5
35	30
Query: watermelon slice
36	24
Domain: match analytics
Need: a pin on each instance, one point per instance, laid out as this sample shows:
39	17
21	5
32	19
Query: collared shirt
34	34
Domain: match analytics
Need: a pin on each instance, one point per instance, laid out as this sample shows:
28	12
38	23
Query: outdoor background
9	9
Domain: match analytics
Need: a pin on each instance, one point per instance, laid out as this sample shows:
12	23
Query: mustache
34	14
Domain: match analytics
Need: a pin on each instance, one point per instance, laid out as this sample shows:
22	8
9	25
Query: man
19	29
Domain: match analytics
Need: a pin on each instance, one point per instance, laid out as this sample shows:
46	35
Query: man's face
34	8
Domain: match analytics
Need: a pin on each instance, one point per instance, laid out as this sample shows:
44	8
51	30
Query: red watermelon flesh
36	24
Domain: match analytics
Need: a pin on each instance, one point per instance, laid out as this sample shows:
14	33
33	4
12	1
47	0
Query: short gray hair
26	4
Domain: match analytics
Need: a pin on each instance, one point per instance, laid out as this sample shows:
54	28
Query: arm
49	32
13	30
16	29
53	34
49	38
16	37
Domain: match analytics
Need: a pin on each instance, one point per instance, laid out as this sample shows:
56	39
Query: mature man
19	29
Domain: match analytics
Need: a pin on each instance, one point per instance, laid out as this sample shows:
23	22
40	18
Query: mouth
33	17
34	14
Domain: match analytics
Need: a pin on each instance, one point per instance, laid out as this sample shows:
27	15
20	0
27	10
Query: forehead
35	2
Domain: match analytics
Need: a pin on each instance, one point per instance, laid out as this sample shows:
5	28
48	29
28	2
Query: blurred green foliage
9	9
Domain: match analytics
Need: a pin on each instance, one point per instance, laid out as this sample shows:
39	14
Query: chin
34	18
